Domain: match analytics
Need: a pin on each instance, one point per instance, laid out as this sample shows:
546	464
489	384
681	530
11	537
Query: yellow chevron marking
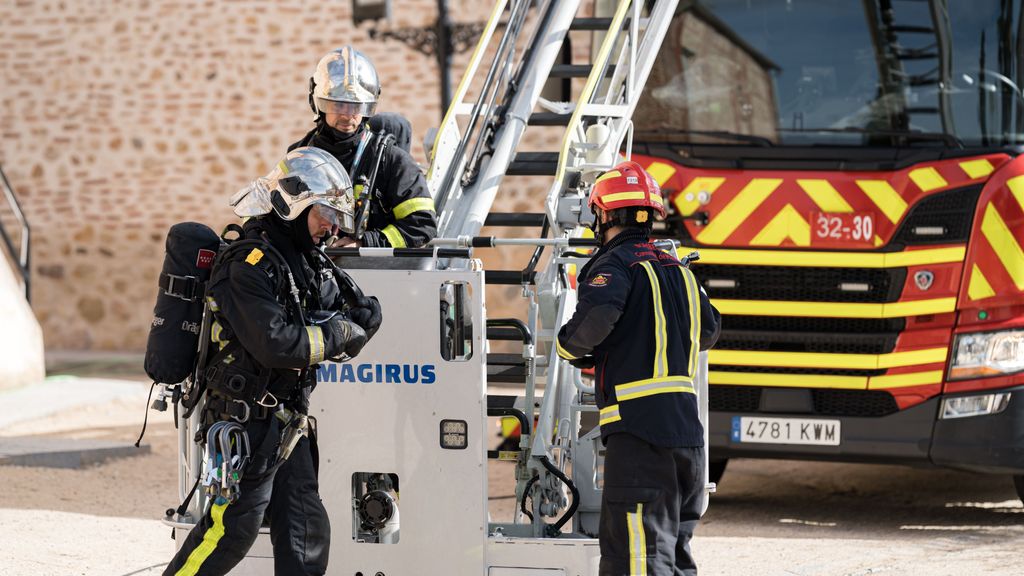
977	168
834	309
687	202
825	195
878	241
1005	245
828	259
928	179
661	172
902	380
979	288
888	200
1016	186
788	223
789	380
824	360
737	211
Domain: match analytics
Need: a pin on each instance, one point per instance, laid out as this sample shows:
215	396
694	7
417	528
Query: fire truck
851	174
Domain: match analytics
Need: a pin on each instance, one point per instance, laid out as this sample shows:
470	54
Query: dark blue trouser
287	494
650	506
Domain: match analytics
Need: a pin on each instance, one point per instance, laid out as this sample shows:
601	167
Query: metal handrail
23	253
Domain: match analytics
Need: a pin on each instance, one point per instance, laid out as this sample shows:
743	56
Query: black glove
345	337
367	315
584	362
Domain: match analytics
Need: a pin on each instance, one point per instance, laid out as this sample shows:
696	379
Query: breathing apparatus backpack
173	344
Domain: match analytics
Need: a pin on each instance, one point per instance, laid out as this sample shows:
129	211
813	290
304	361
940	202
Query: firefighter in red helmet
640	321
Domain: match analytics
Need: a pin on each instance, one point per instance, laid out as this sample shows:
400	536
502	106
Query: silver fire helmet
345	82
304	177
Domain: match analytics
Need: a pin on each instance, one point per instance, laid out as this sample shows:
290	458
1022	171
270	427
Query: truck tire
717	467
1018	483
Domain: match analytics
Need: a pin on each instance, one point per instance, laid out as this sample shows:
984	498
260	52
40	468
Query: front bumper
991	443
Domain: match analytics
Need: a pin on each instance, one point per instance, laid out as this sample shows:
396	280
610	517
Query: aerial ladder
403	428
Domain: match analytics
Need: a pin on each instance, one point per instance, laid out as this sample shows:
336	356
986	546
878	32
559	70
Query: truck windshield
839	72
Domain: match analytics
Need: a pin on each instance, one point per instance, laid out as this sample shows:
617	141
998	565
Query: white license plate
785	430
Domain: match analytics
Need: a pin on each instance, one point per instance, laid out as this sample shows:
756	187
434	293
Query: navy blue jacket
643	317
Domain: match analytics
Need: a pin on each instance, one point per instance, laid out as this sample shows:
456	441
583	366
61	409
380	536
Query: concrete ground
784	518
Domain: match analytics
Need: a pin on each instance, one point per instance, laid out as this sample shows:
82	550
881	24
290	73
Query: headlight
985	354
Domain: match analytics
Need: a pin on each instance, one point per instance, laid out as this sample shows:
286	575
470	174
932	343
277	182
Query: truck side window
456	322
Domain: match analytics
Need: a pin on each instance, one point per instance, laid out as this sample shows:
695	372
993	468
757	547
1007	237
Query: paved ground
768	518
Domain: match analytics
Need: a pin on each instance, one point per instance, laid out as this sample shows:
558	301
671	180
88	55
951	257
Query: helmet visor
338	218
346	108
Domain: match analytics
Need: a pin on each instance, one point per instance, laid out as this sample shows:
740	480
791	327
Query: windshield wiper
723	134
949	139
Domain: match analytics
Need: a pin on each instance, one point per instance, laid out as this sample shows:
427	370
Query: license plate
785	430
838	229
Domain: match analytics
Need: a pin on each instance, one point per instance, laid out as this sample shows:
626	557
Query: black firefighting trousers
650	507
287	494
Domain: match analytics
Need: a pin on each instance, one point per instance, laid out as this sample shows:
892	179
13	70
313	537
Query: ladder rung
496	359
576	70
510	334
515	219
549	119
534	164
506	374
501	401
598	24
509	277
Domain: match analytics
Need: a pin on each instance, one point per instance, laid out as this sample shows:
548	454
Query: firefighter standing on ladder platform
640	320
398	211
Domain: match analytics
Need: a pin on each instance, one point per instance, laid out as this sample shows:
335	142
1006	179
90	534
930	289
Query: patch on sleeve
254	256
600	280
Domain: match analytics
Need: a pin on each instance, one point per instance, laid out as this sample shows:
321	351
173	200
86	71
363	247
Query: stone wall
119	119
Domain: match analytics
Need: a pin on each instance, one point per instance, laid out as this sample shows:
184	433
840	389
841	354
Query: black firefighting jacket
401	209
250	297
643	317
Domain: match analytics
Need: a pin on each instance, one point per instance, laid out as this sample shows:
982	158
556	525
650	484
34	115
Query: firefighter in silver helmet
393	205
279	309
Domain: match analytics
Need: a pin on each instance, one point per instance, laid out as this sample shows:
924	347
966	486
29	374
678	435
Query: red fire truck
851	173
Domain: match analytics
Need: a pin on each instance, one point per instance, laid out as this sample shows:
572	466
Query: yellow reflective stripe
607	175
822	360
977	168
660	334
1016	186
637	195
738	209
661	172
825	195
688	200
719	378
828	259
637	541
902	380
979	288
693	296
413	205
208	545
928	179
788	223
394	236
215	331
1004	244
888	200
609	414
562	351
652	386
835	309
316	344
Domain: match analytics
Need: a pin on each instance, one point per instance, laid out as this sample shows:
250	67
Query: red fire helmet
627	185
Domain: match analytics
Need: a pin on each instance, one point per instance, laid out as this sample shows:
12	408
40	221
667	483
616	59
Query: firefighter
343	94
275	300
640	320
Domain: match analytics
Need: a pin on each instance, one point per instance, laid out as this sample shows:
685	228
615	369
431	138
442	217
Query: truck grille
851	403
950	213
803	284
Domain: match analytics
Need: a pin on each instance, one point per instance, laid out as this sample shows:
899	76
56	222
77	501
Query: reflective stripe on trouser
394	236
299	524
650	506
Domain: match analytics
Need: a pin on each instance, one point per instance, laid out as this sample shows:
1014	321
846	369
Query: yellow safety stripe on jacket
637	541
693	296
413	205
660	335
316	344
652	386
563	352
208	545
609	414
394	236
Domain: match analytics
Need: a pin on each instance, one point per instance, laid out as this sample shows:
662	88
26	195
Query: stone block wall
119	119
